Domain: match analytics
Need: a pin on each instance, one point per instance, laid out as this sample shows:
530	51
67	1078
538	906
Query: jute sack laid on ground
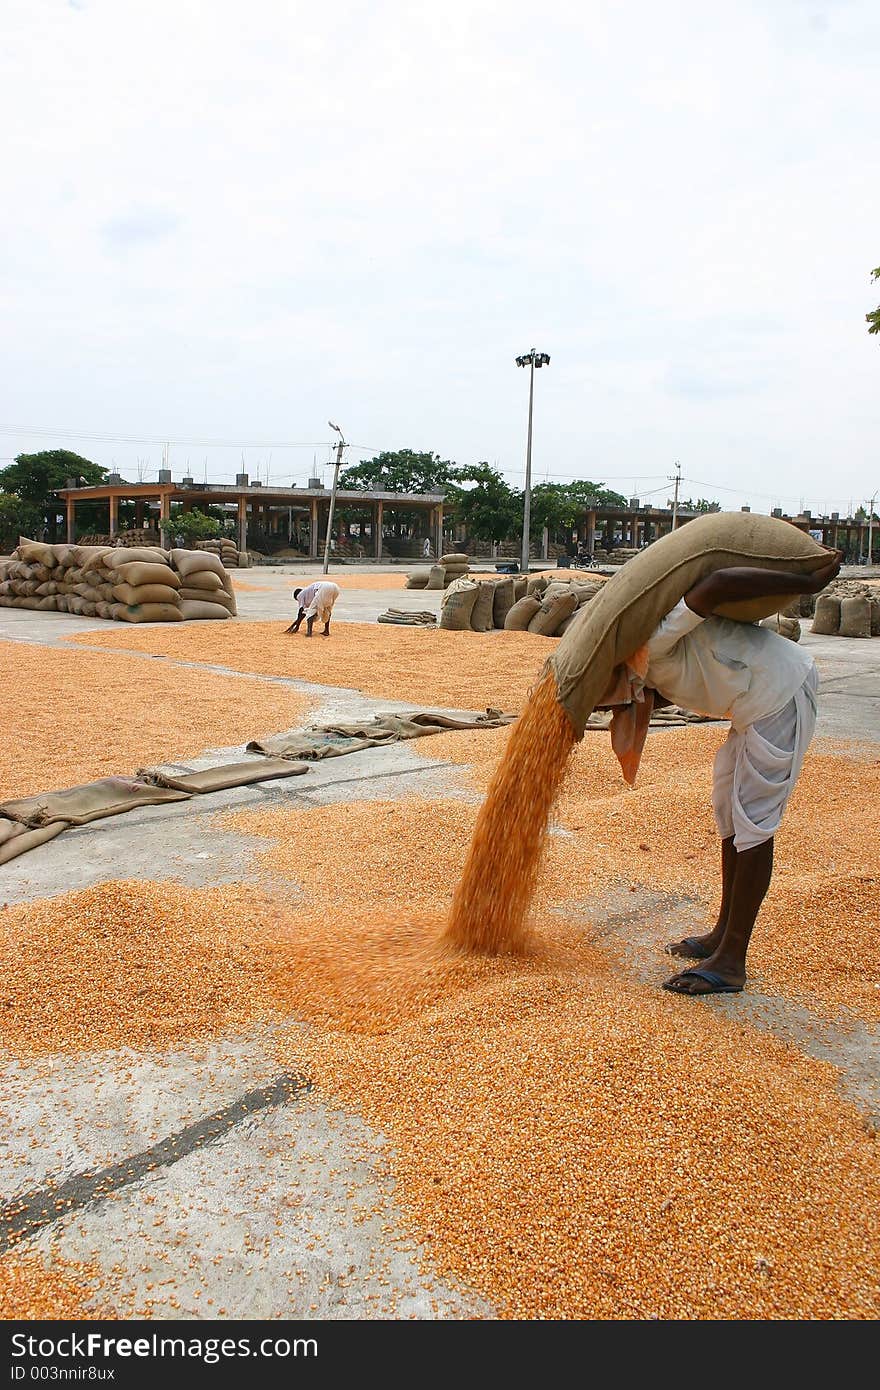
140	572
88	592
481	613
104	610
855	617
875	617
826	619
786	627
49	587
566	623
194	610
147	612
130	555
502	601
521	614
49	604
36	552
436	577
417	579
463	581
621	618
537	584
520	587
551	613
189	562
141	593
456	611
454	558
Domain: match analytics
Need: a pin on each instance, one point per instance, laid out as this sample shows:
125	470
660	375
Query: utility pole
871	502
339	448
675	478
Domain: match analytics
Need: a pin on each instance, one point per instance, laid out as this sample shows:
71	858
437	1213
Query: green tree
490	509
34	478
558	505
874	316
193	525
401	471
701	505
17	518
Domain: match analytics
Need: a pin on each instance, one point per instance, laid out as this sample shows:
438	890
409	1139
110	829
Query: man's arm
731	585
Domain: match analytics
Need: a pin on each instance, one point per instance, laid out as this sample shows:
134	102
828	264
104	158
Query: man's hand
732	585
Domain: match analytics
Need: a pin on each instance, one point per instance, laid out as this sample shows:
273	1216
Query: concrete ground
208	1149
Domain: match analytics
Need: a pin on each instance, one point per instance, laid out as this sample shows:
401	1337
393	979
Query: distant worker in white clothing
316	600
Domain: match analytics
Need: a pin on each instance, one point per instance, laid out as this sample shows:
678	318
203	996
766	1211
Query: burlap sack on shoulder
147	612
481	613
142	572
142	593
189	562
621	618
455	615
194	610
552	612
521	614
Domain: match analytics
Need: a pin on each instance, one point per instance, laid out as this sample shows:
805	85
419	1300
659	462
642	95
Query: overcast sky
225	224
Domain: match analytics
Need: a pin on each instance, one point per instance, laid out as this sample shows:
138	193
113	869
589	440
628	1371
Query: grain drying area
247	1074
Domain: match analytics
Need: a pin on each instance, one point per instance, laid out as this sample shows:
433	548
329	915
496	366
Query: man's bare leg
310	623
326	632
699	947
725	970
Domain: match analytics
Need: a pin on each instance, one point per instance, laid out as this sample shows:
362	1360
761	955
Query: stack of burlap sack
441	576
225	549
123	583
205	587
847	608
514	603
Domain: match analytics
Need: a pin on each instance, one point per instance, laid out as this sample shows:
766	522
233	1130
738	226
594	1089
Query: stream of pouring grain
488	913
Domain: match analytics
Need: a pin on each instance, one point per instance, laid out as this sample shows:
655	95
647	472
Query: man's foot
693	947
291	629
699	980
325	634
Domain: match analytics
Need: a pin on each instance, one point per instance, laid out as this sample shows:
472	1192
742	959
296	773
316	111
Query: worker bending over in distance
766	685
315	601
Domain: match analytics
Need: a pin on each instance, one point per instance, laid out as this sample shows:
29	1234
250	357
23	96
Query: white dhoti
755	769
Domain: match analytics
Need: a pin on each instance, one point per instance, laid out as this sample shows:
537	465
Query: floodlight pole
532	359
339	448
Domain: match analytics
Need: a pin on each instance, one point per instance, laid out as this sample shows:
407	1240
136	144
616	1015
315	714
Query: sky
226	225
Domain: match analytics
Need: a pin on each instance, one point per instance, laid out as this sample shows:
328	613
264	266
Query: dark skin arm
730	585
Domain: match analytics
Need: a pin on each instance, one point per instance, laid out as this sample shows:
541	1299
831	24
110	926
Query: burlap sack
855	617
189	562
520	587
552	612
875	616
621	618
104	610
147	612
566	623
49	604
216	596
141	572
463	581
142	593
456	611
826	618
129	555
502	601
521	614
481	613
36	553
537	584
194	610
88	592
207	581
97	556
43	590
417	579
436	577
454	558
785	627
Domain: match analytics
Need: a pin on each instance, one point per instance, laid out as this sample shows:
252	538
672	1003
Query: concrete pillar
71	522
165	519
438	543
313	528
589	538
378	511
242	523
114	513
545	544
139	512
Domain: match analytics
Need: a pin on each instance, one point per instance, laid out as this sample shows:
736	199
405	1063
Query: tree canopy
34	477
400	471
874	316
701	505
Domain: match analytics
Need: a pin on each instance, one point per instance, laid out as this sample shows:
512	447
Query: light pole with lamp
339	448
530	359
